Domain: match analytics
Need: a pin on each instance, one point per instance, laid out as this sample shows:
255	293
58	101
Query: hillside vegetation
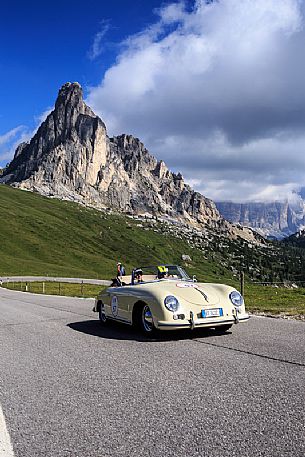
39	235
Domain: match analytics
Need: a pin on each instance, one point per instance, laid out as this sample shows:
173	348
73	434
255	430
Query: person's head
118	269
162	272
139	275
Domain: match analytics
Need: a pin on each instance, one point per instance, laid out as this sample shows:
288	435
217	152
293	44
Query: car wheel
223	328
147	319
144	319
102	315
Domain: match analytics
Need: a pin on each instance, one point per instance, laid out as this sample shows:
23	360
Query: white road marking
6	448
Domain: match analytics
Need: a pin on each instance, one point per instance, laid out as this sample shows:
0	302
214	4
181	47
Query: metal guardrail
42	285
98	282
278	282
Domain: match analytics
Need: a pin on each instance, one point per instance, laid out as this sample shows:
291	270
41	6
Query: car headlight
236	298
171	303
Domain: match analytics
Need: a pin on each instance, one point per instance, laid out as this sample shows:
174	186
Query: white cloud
8	136
259	170
218	93
97	45
42	117
21	134
8	142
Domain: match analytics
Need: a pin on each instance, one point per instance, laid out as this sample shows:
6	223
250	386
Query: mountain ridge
72	145
272	220
71	157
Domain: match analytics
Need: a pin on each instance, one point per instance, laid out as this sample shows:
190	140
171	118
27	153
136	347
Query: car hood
196	293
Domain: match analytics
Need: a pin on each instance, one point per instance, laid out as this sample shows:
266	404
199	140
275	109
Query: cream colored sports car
166	298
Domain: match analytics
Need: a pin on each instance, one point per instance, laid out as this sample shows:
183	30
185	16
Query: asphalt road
71	388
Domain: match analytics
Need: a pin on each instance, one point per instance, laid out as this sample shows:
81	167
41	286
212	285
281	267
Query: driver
162	272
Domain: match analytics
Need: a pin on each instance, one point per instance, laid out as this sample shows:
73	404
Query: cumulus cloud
217	91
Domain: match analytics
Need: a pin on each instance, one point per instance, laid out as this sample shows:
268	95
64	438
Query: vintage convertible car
166	298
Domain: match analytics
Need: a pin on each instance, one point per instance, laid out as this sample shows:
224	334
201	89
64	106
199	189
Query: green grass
43	236
56	288
275	300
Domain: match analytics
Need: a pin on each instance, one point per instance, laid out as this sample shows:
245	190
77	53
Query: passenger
139	275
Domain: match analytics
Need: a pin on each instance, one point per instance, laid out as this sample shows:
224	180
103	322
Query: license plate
215	312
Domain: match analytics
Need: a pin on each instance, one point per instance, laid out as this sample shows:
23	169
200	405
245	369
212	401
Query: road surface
71	388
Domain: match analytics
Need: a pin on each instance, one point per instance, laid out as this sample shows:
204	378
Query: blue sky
214	88
45	44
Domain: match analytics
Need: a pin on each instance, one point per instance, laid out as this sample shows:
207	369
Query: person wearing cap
120	270
162	271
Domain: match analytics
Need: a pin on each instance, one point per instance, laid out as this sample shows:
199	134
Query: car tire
101	314
223	328
144	320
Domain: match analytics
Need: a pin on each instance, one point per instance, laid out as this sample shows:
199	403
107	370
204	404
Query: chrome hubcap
102	315
147	319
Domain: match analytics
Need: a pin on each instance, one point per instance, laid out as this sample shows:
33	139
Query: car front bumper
200	323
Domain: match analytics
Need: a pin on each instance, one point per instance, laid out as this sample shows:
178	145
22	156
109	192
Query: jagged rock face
297	239
71	157
65	154
270	219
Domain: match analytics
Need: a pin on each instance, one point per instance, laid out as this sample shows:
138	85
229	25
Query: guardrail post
43	287
82	288
26	287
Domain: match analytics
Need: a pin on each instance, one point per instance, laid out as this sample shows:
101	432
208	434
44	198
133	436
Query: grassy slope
47	236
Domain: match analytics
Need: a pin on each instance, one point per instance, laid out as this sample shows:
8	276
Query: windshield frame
175	273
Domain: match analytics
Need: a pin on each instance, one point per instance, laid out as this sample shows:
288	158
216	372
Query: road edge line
6	448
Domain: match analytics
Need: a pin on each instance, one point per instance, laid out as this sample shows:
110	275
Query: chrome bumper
198	323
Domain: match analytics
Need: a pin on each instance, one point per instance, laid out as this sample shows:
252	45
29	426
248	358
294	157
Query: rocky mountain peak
272	220
70	101
71	157
69	93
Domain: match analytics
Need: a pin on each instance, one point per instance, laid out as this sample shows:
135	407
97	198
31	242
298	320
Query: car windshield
153	273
